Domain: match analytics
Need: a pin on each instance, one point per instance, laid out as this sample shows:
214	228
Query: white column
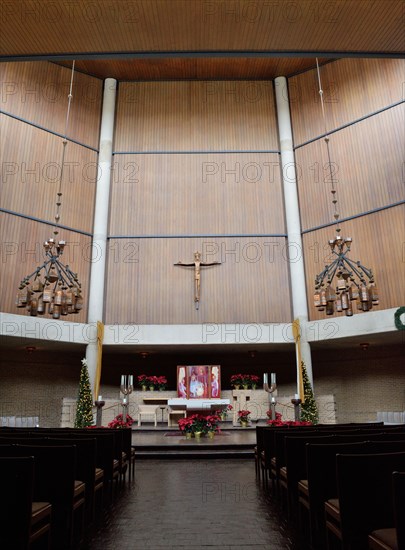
99	247
295	248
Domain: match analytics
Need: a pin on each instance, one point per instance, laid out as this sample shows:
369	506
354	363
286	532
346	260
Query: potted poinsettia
244	417
143	381
118	422
279	422
236	381
161	382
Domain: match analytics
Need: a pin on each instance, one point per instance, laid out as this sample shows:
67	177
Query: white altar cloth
198	404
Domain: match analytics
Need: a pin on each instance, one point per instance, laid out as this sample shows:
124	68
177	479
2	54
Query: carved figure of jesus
197	264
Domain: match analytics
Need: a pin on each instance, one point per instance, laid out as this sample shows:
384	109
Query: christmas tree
309	410
84	408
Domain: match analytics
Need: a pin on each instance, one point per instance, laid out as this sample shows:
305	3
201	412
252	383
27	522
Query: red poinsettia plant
244	416
199	423
250	380
279	422
223	413
118	422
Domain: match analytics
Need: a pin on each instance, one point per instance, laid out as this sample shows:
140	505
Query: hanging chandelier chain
338	295
64	144
336	214
56	289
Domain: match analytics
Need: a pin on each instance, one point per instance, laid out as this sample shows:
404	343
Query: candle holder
270	389
99	404
296	403
273	408
126	387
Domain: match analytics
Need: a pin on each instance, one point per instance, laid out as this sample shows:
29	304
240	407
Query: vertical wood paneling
22	252
368	169
378	241
38	92
31	164
196	194
184	116
352	88
250	286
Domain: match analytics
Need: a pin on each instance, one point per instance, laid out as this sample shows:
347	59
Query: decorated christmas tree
309	410
84	408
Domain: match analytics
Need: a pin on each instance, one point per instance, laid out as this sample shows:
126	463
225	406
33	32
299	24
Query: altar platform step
171	444
190	453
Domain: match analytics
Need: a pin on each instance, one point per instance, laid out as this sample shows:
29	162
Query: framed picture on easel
199	381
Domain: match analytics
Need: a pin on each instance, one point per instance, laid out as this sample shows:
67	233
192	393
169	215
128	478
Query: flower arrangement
245	380
279	422
236	380
152	381
142	380
161	382
244	416
118	422
223	413
198	423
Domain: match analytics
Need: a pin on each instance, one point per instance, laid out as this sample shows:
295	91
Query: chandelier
343	281
53	287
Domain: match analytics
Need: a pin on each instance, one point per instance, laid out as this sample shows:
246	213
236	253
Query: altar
178	403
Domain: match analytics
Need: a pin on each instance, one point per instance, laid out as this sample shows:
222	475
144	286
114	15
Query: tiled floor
192	504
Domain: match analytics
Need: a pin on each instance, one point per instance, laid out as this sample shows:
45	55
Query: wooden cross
197	264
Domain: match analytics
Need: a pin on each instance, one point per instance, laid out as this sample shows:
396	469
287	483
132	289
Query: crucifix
197	264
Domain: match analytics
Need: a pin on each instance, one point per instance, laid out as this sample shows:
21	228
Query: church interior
193	190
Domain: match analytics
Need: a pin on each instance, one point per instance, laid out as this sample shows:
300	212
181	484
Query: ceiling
199	39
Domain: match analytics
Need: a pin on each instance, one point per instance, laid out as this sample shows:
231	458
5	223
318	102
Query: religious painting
182	382
215	382
199	381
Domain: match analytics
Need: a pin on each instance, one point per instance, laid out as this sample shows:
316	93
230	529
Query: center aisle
192	504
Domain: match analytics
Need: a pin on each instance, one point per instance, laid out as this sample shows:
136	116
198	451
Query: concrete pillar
292	214
99	248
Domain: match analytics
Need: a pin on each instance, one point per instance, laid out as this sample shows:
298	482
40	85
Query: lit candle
296	396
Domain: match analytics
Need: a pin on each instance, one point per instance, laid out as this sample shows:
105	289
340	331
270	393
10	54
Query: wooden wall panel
38	92
352	88
31	163
184	116
378	241
250	286
22	252
368	163
196	194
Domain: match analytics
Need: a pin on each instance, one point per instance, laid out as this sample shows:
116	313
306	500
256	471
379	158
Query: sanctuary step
170	444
